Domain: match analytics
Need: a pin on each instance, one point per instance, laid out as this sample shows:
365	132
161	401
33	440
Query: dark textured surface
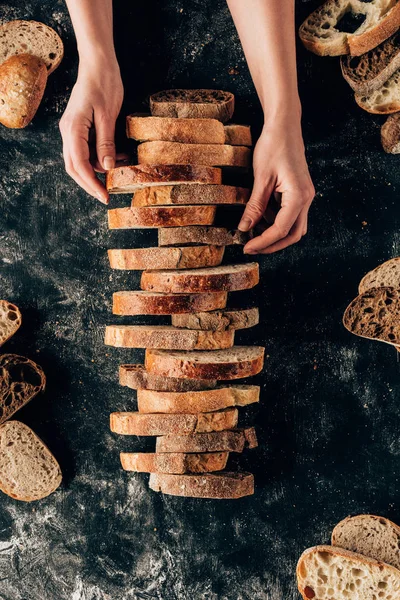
328	421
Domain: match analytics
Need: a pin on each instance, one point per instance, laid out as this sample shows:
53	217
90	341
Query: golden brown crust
220	441
145	303
202	103
188	131
190	257
10	320
359	44
221	486
167	337
218	155
137	378
191	194
177	463
160	216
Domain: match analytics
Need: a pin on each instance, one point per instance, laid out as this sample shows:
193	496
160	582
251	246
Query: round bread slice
187	257
193	104
385	100
28	470
166	337
220	441
10	320
213	155
20	380
178	463
153	303
176	236
150	217
190	194
390	134
385	275
218	486
218	320
137	378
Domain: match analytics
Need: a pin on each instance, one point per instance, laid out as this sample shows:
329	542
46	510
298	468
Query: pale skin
267	33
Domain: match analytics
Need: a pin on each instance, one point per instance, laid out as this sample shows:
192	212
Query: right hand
94	105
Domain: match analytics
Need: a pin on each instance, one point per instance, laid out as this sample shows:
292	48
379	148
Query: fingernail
250	251
102	198
108	162
245	224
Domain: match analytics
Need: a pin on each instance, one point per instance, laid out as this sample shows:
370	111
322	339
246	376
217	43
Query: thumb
105	145
255	207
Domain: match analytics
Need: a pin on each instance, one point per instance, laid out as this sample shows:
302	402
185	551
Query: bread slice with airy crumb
174	463
385	100
20	380
385	275
167	337
10	320
185	257
165	195
390	134
217	486
137	378
193	104
175	153
218	320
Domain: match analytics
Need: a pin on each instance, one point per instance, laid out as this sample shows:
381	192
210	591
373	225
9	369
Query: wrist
97	58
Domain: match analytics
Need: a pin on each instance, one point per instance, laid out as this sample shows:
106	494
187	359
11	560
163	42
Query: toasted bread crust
218	320
167	337
191	257
190	194
220	441
137	378
152	217
223	486
201	235
195	104
139	303
174	463
217	155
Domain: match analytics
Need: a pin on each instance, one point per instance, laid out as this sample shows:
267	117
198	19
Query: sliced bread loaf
166	337
218	320
221	486
375	314
212	155
190	194
201	235
174	463
149	217
385	275
193	104
137	378
20	380
390	134
186	257
384	100
10	320
153	303
220	441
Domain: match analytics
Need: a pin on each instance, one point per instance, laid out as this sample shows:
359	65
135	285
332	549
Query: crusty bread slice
193	402
375	537
238	135
193	104
234	363
327	573
212	155
190	194
150	217
189	257
375	314
10	320
218	486
153	303
385	275
31	37
137	378
385	100
214	279
166	337
321	33
390	134
218	320
134	177
149	462
28	470
219	441
135	423
201	235
20	380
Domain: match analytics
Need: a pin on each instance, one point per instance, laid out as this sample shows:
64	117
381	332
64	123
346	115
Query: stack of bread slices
182	395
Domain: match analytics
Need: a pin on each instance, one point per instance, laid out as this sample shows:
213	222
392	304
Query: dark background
328	421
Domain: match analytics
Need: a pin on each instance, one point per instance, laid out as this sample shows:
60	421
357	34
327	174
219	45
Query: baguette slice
201	235
192	257
137	378
390	134
385	275
153	303
149	217
385	100
135	423
20	380
220	441
218	320
320	32
10	320
221	486
135	177
193	104
190	194
375	537
212	155
166	337
193	402
327	573
174	463
28	470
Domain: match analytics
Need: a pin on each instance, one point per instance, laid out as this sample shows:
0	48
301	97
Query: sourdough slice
10	320
135	423
375	314
385	275
28	470
135	177
327	573
166	337
193	104
221	486
153	303
137	378
150	401
201	235
190	194
20	380
385	100
235	363
390	134
212	155
320	32
149	217
218	320
215	279
220	441
34	38
141	462
375	537
192	257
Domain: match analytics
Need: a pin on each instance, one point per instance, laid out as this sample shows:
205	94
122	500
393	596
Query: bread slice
212	155
385	275
375	537
10	320
28	470
193	104
153	303
149	462
31	37
215	279
135	423
385	100
134	177
190	194
327	573
137	378
192	257
149	217
390	134
193	402
218	320
201	235
321	33
235	363
166	337
375	314
221	486
219	441
238	135
371	70
20	380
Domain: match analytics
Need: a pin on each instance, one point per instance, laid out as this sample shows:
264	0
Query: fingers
295	235
121	159
105	145
256	206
